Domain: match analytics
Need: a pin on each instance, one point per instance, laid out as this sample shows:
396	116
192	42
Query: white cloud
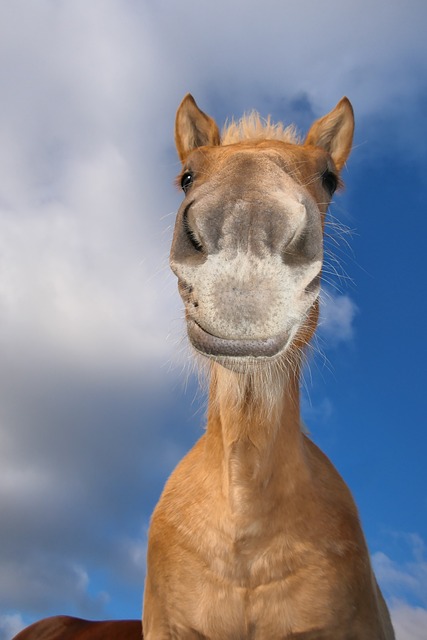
299	50
396	577
10	625
410	623
131	555
83	458
337	314
82	255
320	413
405	586
404	580
50	584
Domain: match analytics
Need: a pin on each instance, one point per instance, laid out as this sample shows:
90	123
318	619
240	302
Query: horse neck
254	436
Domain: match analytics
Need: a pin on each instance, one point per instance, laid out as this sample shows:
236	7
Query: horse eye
186	181
330	181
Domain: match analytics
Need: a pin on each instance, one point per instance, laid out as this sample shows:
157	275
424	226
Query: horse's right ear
193	128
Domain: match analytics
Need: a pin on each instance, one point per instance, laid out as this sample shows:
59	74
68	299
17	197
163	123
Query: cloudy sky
97	398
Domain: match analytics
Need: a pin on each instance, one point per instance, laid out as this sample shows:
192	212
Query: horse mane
252	126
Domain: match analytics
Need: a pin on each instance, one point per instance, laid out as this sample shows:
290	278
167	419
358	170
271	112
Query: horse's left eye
330	181
186	181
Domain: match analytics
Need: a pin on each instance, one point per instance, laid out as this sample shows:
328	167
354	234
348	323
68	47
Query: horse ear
334	132
193	128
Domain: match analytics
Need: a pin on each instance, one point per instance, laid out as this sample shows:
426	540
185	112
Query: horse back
68	628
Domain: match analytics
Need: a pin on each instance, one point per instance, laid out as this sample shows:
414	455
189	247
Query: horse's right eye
186	181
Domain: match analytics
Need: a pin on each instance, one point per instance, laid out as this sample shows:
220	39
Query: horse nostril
314	285
195	304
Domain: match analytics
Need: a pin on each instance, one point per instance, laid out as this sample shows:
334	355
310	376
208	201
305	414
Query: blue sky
97	398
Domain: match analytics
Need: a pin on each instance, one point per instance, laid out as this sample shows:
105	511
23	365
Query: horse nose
272	226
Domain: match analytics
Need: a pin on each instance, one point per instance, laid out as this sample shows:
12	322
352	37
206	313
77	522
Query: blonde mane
253	127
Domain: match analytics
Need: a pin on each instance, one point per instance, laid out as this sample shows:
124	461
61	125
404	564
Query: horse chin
244	365
240	355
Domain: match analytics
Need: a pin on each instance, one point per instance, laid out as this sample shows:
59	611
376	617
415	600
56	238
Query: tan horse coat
256	536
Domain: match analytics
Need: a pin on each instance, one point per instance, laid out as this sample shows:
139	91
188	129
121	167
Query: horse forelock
252	126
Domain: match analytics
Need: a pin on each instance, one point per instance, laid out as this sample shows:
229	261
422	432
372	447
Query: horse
69	628
256	535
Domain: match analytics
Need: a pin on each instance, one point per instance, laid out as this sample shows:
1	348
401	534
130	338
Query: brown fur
68	628
256	536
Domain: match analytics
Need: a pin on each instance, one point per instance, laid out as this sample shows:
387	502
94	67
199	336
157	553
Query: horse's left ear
334	132
193	128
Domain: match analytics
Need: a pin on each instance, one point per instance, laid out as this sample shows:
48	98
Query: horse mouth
216	347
